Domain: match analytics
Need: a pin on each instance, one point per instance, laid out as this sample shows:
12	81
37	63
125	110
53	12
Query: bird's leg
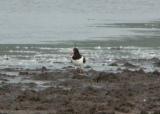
81	70
77	69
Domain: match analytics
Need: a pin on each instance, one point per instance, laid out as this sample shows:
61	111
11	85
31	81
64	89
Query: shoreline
67	92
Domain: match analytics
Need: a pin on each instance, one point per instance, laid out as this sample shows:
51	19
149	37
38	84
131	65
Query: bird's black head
76	54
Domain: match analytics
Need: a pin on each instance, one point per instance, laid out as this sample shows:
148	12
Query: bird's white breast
78	61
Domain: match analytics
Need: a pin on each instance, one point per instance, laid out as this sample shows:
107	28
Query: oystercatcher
78	60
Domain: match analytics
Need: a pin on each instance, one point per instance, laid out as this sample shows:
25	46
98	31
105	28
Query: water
36	33
57	56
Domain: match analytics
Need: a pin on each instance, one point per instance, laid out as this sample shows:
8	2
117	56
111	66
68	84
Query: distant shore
68	92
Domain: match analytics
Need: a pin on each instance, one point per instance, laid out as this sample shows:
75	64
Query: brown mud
68	92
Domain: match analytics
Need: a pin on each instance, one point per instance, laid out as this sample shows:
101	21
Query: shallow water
98	57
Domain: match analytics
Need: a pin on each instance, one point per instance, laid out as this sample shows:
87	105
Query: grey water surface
36	33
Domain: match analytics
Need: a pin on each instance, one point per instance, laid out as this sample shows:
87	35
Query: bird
77	59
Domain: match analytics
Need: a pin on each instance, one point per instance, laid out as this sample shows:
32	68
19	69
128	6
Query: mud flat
67	92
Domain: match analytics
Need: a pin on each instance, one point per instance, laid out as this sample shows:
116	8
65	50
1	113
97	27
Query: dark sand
67	92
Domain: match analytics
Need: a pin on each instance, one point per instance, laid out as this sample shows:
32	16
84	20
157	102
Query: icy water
36	33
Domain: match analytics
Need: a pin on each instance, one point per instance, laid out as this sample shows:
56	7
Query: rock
105	112
155	59
124	107
80	76
103	76
23	73
113	64
43	77
129	65
156	112
89	90
157	64
143	112
140	71
156	73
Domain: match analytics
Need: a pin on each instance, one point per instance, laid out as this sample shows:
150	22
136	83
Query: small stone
105	112
156	112
143	112
23	73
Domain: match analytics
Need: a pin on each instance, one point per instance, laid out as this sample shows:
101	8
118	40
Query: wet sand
67	92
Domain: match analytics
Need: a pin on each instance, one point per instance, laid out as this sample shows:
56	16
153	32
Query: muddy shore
67	92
